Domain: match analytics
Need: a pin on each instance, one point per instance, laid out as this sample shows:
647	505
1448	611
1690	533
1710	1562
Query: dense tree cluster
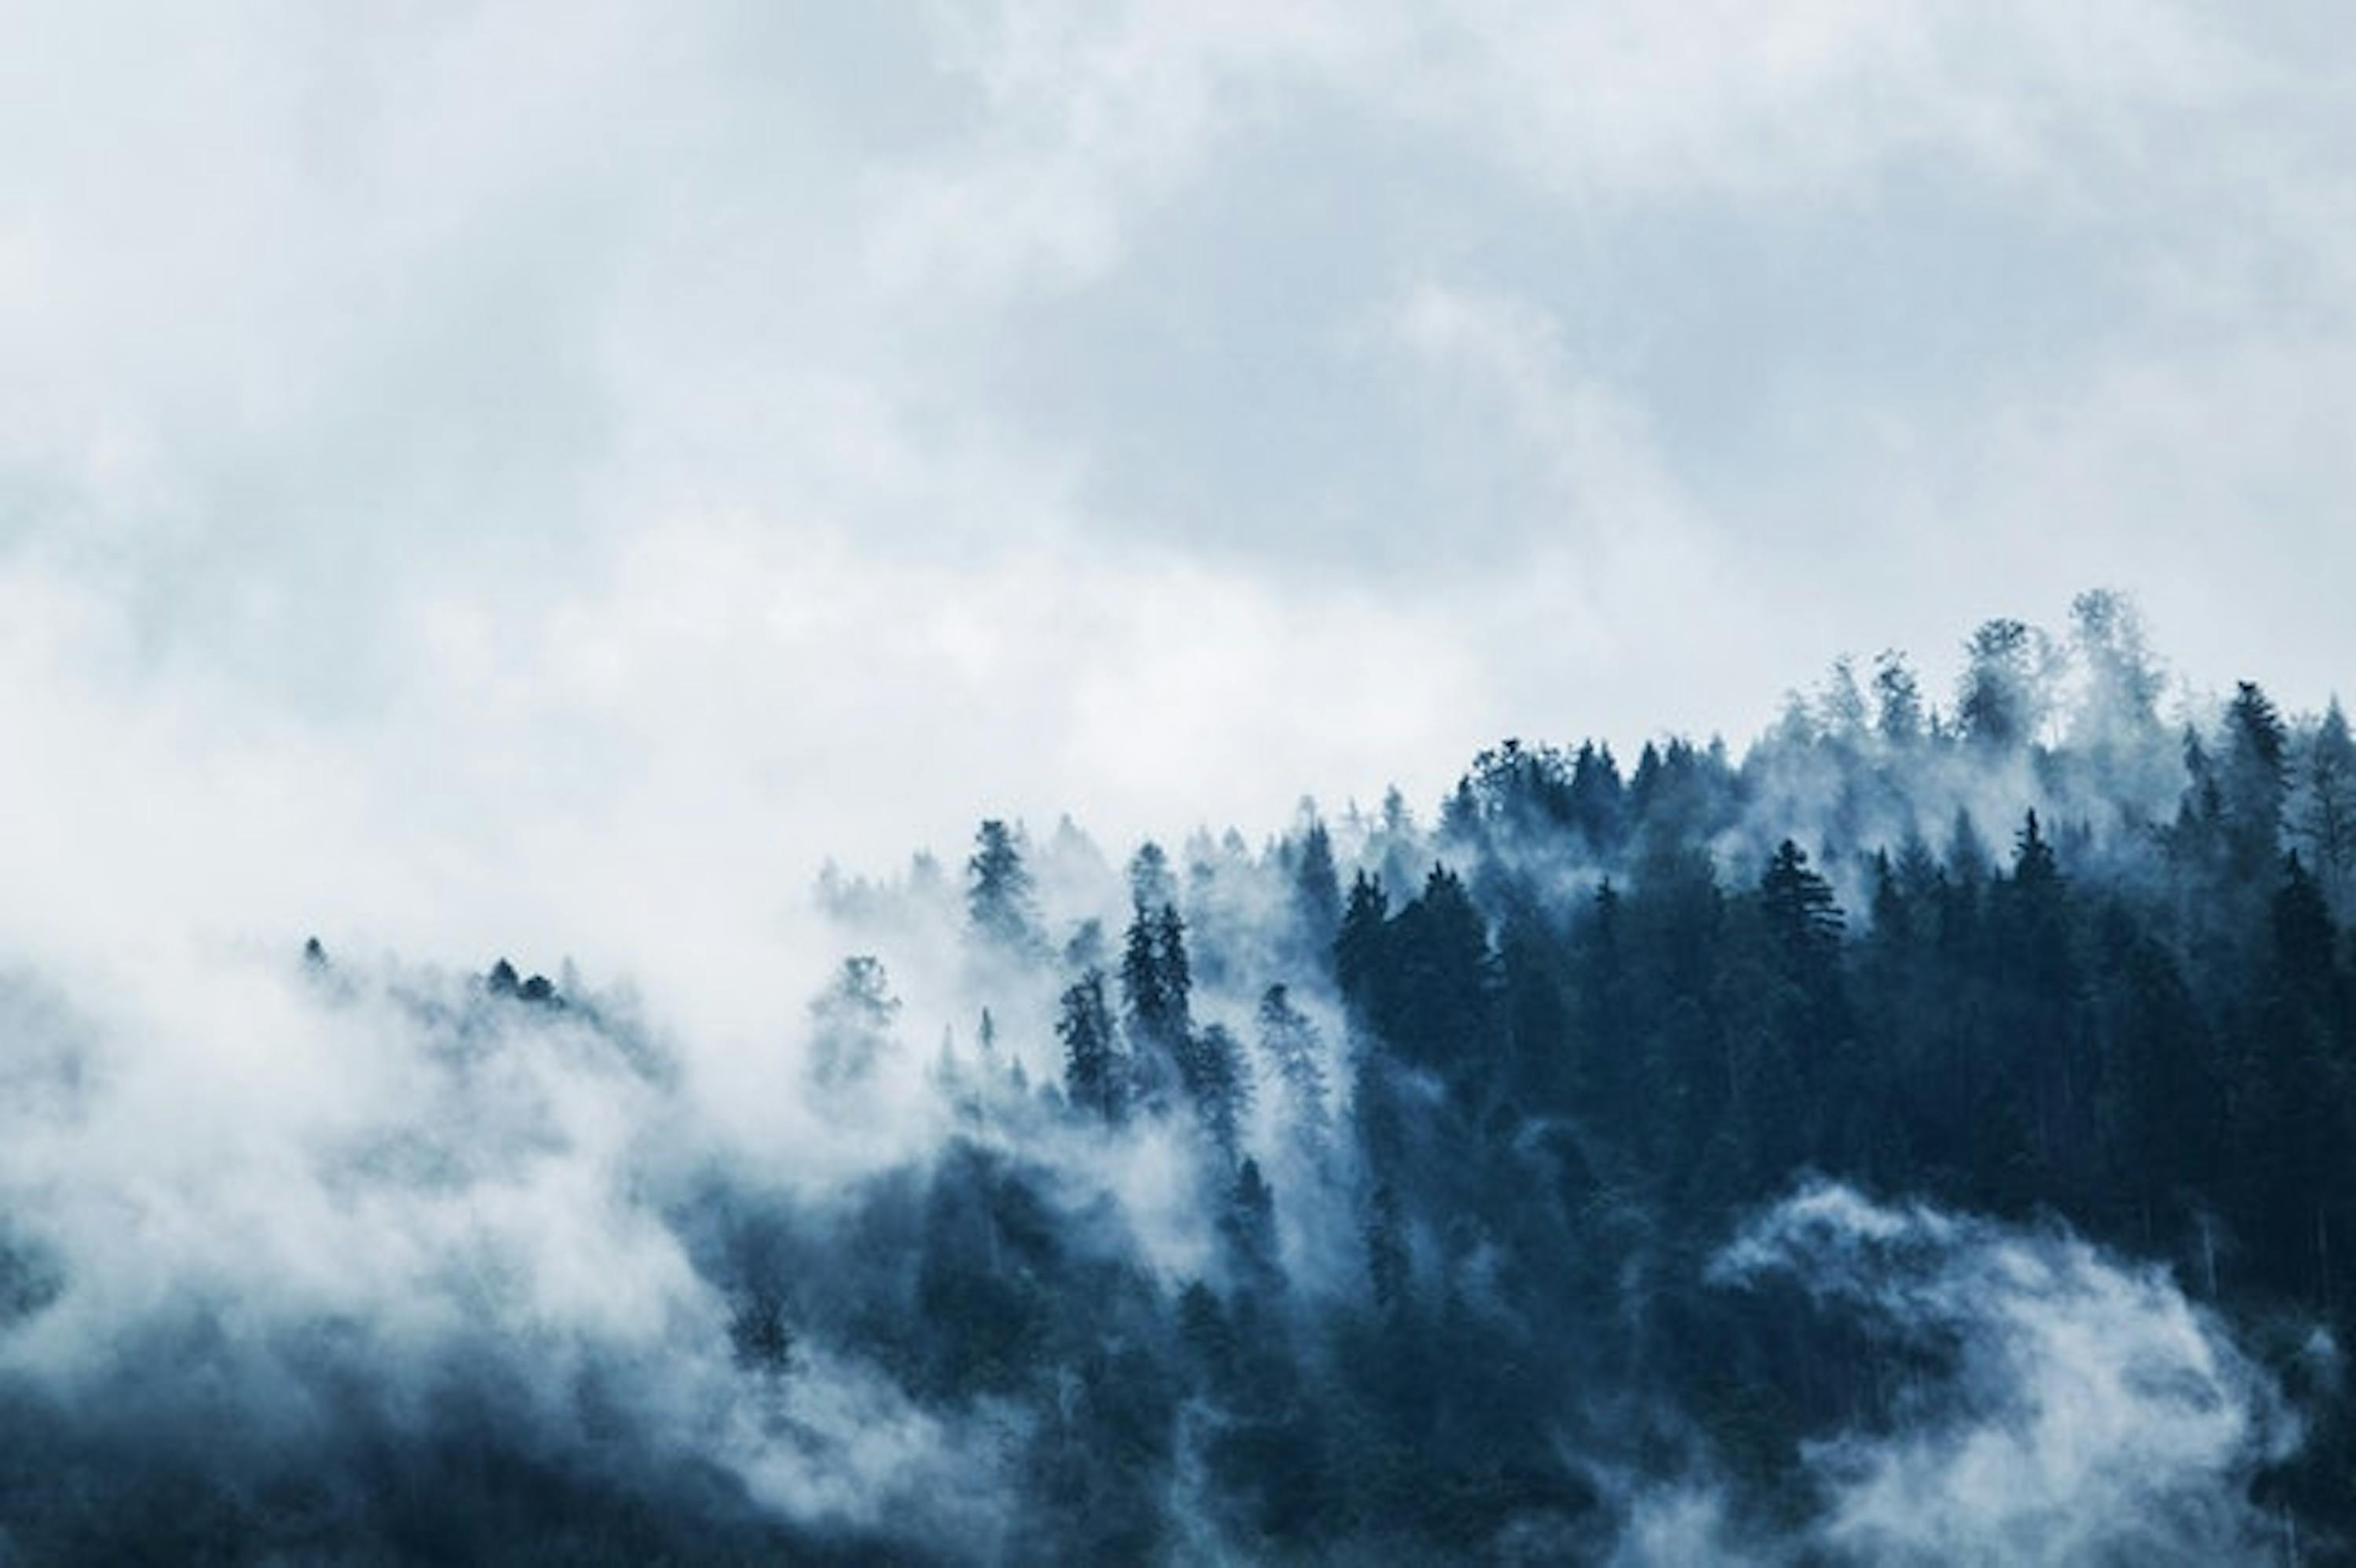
2043	956
1442	1129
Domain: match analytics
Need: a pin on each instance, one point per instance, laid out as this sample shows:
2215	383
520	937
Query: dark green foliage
1517	796
2327	818
1316	891
1211	1071
1431	993
1358	945
1156	991
2252	780
1094	1076
1417	1312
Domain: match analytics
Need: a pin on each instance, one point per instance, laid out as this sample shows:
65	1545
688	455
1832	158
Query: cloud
1582	372
367	1215
2076	1408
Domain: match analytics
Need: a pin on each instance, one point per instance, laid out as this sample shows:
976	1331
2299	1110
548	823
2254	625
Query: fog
582	510
845	1261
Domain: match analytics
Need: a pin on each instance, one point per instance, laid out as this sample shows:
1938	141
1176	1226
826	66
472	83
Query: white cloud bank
2077	1408
495	475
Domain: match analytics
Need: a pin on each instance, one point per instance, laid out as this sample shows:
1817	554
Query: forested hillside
1922	1136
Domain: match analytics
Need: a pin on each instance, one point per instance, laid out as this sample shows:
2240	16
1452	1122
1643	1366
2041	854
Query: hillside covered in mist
1921	1137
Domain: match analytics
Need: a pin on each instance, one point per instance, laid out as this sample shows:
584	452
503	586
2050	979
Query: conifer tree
999	899
1289	1040
1358	945
2327	820
1317	889
1092	1079
2254	779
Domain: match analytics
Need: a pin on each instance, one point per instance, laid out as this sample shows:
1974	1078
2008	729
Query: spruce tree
1093	1077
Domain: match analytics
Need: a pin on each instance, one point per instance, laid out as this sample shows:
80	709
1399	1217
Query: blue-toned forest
1923	1135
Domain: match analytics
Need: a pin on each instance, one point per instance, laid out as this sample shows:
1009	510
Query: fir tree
1092	1079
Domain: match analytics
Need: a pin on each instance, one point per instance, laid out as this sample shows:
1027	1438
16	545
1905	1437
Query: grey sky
478	475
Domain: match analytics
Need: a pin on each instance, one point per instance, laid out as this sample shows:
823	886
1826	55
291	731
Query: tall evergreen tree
1094	1080
1145	999
1434	1003
1289	1041
1000	902
1358	945
1211	1070
2254	781
1177	971
2326	819
1317	889
1803	917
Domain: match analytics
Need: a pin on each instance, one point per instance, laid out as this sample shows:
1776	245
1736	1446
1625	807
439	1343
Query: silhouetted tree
1358	945
1094	1079
1317	890
2254	779
2328	815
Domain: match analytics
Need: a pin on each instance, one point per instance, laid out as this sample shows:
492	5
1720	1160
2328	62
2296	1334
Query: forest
1922	1135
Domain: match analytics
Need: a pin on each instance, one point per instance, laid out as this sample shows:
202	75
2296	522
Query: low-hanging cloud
2047	1402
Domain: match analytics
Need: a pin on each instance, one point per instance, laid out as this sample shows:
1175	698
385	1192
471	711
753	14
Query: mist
1570	1169
1005	781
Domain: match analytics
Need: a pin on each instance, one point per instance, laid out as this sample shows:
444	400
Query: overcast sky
543	475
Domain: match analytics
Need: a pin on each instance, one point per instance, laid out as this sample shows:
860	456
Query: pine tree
2254	781
1436	1007
1211	1070
1317	889
1788	1044
1000	904
1177	973
1144	997
1803	918
1358	945
1597	798
1289	1040
2326	819
1092	1079
1150	884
